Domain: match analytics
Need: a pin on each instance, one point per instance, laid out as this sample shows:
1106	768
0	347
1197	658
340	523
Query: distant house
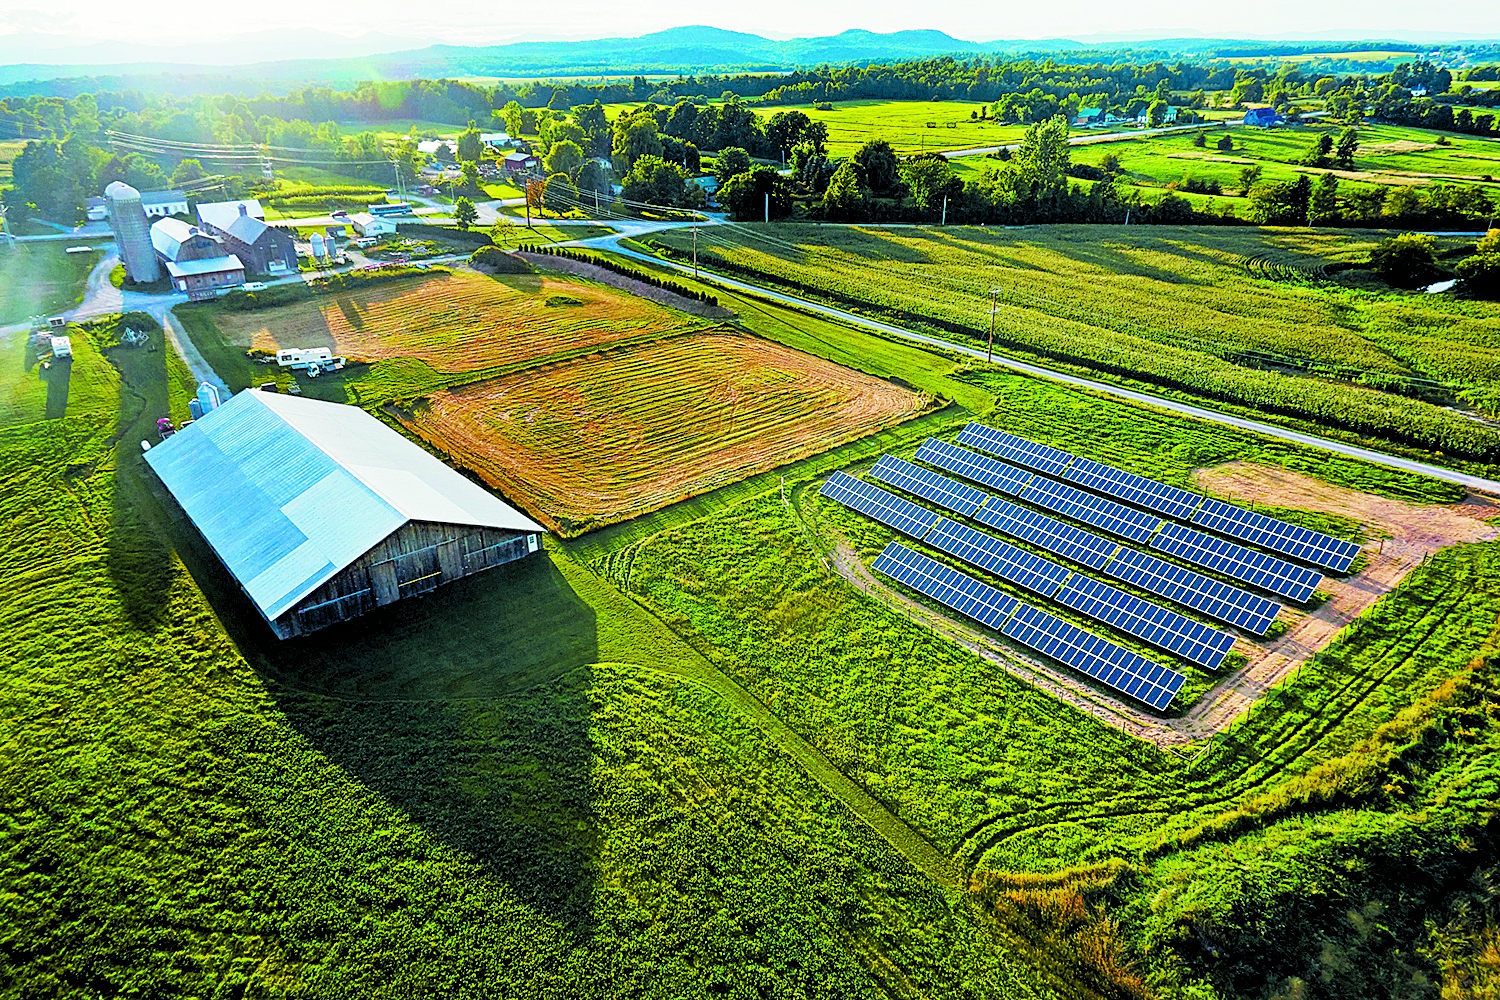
1145	116
1089	118
521	163
1262	117
366	224
196	262
263	249
431	147
494	140
95	209
217	216
156	205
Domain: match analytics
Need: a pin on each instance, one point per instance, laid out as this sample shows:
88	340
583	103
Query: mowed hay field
602	438
459	322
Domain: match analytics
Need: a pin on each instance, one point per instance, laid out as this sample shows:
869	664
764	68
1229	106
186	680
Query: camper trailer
315	360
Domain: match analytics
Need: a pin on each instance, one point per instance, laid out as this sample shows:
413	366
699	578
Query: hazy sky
174	22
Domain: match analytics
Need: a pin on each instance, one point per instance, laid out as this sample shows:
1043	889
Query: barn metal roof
289	490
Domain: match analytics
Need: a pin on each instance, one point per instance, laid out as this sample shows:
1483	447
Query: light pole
989	355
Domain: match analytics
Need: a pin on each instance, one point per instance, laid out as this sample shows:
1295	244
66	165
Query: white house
371	225
494	140
160	204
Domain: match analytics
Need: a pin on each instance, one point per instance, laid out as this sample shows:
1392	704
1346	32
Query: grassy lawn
40	278
1092	296
395	128
909	126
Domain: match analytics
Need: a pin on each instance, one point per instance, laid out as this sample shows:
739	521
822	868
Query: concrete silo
133	234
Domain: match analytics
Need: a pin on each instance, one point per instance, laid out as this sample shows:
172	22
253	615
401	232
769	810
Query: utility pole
695	252
768	206
945	210
994	308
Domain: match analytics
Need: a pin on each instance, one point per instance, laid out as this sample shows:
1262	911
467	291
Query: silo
208	396
317	245
133	234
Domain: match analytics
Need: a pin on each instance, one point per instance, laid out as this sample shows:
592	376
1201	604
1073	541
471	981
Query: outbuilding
322	513
1262	117
366	224
519	163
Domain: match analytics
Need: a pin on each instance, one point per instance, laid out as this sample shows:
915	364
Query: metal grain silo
132	233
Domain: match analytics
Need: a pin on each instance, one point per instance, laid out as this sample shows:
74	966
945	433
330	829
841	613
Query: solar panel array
1127	486
1105	661
890	510
1175	633
1154	575
1278	536
980	601
974	467
1102	660
1048	461
1192	589
1278	576
950	494
1017	566
1117	519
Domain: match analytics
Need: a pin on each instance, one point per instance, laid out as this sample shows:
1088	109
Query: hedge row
346	281
471	237
633	273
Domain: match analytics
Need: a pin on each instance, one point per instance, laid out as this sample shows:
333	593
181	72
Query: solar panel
1278	576
949	493
947	585
973	466
1192	589
1127	486
1048	461
1069	501
887	508
1193	641
1083	547
1003	559
1106	662
1291	540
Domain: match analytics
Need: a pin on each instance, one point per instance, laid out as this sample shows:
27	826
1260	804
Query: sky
478	22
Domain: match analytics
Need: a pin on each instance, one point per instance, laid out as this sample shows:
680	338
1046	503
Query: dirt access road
1403	535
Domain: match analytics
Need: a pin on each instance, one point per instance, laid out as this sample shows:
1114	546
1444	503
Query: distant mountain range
337	60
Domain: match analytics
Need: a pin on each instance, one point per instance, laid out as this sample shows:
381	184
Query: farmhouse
1262	117
494	140
517	163
156	205
217	216
263	249
196	262
322	513
366	224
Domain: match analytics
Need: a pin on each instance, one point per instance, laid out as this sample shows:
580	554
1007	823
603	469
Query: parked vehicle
255	286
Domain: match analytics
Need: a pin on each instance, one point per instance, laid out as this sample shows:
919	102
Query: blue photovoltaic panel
1069	501
1083	547
951	494
1192	589
979	601
1127	486
887	508
1106	662
978	468
1003	559
1299	543
1048	461
1296	583
1193	641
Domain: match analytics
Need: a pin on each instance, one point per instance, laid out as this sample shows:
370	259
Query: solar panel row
1193	641
1102	660
1017	566
890	510
1152	574
1127	486
979	601
1192	589
973	467
948	493
1296	583
1048	461
1289	539
1069	501
1107	662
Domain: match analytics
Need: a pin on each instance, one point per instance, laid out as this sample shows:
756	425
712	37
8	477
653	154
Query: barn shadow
59	373
468	710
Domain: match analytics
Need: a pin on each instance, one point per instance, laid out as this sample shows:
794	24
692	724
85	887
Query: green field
909	126
1093	297
39	278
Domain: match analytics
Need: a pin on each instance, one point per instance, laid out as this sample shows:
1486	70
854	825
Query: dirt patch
605	276
594	440
1397	147
462	322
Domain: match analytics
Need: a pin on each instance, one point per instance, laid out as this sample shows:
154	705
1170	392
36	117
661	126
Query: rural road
1477	483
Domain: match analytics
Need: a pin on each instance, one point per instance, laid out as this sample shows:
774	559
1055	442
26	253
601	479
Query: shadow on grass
58	374
468	710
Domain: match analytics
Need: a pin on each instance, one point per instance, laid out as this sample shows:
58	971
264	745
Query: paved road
1087	139
1477	483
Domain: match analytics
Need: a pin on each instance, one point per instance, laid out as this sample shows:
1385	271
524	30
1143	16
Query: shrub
633	273
1406	261
497	261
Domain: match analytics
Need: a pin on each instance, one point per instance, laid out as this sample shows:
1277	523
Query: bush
474	238
1479	276
1406	261
497	261
139	321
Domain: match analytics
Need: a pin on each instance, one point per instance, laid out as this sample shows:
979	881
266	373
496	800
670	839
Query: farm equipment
165	428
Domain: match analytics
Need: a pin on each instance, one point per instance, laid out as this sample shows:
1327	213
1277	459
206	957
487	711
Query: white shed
371	225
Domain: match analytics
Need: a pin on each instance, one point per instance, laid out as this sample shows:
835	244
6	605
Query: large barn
323	513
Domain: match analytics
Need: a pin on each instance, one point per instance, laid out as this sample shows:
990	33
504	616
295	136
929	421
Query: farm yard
1388	366
41	278
598	439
